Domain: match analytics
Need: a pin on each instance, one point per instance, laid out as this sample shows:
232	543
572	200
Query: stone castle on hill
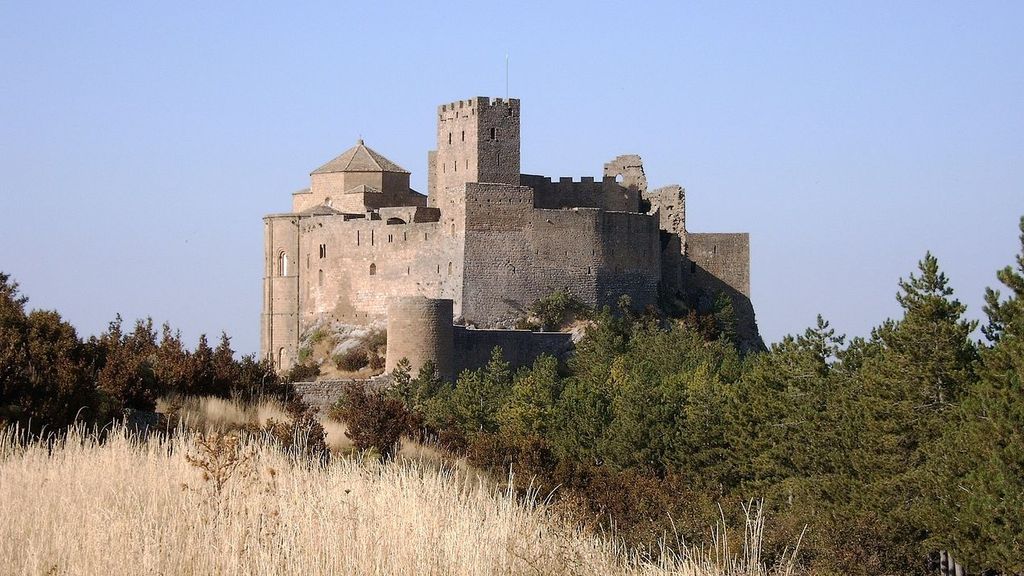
361	247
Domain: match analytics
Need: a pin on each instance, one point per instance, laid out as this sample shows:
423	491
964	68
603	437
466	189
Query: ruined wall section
352	268
628	169
670	202
720	263
279	320
725	257
605	194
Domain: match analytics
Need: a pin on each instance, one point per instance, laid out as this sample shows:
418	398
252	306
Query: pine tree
531	402
918	368
225	369
983	520
479	394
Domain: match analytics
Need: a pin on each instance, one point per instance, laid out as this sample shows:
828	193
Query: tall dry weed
84	504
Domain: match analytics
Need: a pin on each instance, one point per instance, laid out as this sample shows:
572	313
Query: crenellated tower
477	141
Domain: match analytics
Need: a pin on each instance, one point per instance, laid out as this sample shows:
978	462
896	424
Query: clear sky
142	142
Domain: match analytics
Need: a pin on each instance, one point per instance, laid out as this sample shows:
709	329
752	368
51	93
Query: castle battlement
487	239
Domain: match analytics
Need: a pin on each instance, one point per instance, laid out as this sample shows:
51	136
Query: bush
352	360
374	420
303	373
555	310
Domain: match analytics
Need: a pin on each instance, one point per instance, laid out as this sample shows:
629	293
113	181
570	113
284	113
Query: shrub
352	360
374	420
555	310
303	373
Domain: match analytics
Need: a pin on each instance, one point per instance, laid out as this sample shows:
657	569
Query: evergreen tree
584	412
982	520
127	379
202	376
172	362
920	366
531	402
225	369
479	394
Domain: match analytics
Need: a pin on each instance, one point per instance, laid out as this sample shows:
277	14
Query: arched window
449	268
282	263
280	358
373	269
320	278
327	201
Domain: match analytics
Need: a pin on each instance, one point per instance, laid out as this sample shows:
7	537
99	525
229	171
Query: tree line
49	376
873	453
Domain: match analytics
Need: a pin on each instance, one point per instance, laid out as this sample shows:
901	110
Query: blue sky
141	143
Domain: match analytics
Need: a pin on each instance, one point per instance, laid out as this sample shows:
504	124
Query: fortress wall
279	319
671	263
718	258
516	254
585	193
670	201
498	253
631	259
369	262
520	347
720	263
566	253
322	394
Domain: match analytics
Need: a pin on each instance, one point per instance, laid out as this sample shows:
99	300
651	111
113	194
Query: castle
484	244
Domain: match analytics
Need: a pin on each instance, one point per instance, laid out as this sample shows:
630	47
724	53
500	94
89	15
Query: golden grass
210	413
78	505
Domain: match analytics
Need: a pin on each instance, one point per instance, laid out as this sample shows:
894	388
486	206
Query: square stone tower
477	141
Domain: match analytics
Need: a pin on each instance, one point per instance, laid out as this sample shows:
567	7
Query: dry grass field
210	503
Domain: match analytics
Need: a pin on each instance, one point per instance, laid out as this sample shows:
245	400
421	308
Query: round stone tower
420	329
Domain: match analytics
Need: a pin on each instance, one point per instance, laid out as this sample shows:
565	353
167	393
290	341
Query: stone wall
719	257
585	193
279	329
720	263
323	394
519	347
420	330
351	269
515	254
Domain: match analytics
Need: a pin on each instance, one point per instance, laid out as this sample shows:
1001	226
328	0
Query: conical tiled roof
360	158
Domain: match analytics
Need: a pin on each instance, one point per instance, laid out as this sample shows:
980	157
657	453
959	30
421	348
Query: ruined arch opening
395	221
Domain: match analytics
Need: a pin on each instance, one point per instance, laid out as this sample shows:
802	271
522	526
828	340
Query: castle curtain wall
366	263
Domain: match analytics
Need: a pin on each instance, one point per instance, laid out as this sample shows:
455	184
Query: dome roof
360	158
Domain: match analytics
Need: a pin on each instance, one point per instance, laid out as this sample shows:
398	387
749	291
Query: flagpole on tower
506	75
